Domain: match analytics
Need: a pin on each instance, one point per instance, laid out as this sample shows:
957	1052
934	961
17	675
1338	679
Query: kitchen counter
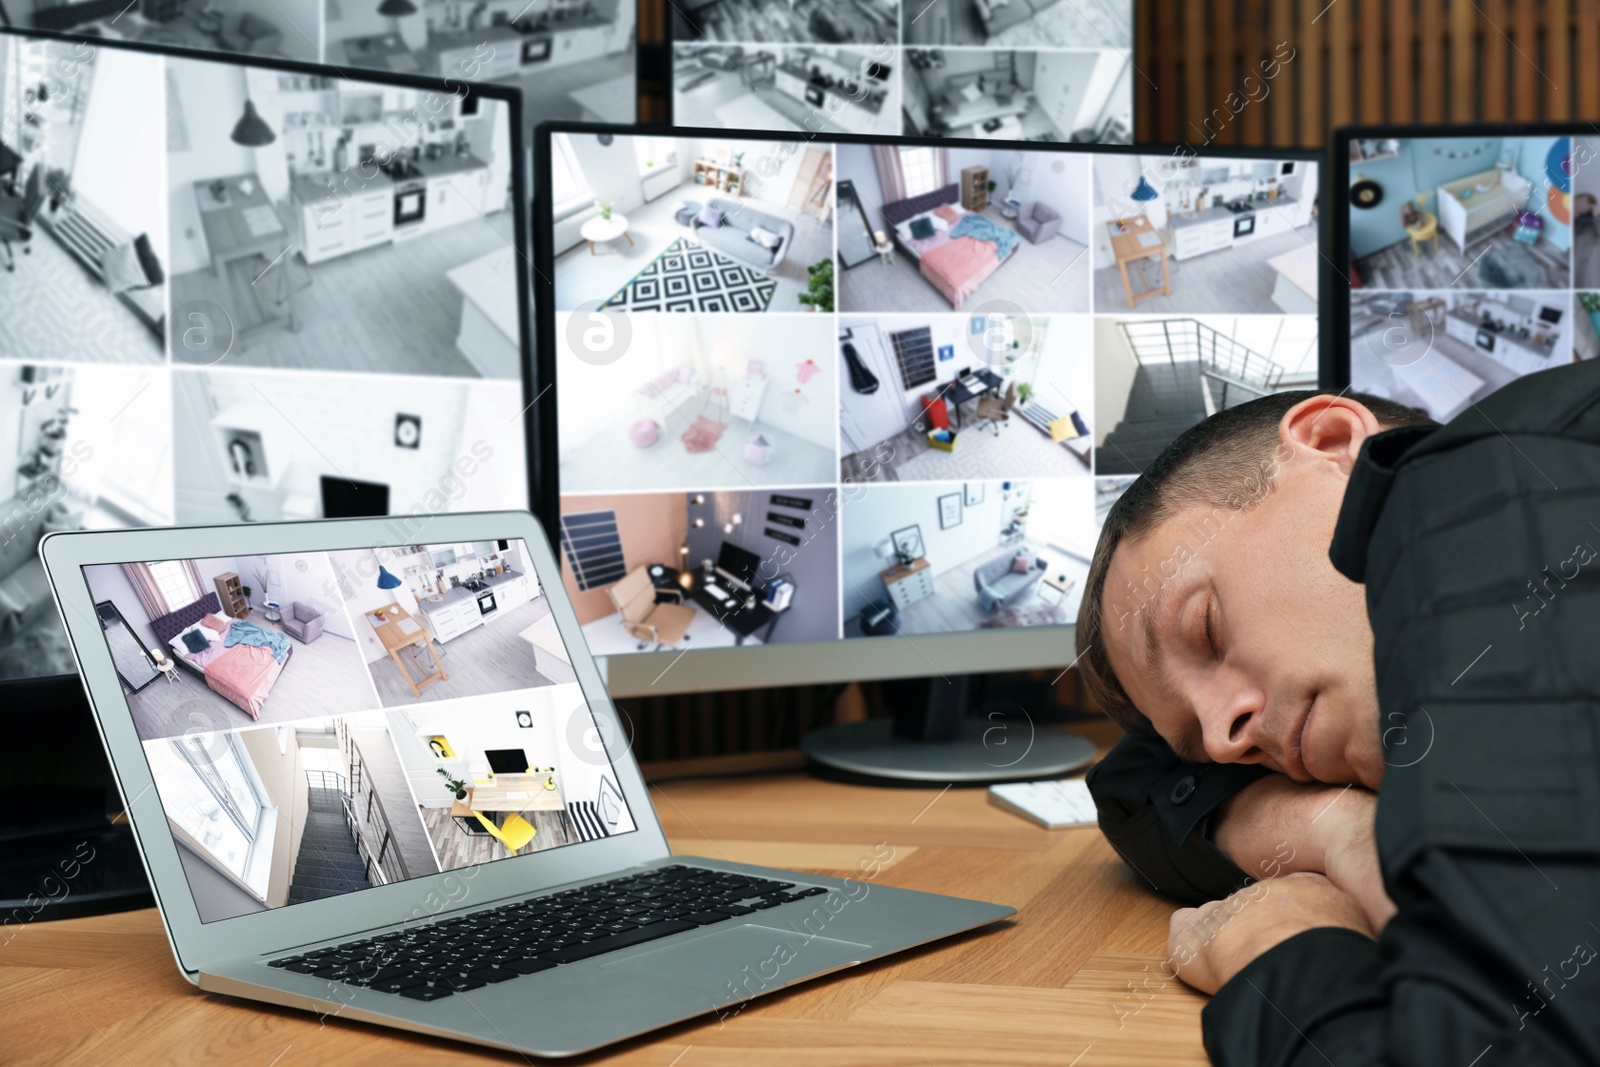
449	164
489	336
448	600
871	103
380	51
449	40
494	580
1199	218
338	185
1541	349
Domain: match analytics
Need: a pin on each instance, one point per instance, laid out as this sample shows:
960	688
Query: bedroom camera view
1474	260
923	438
218	276
1037	70
254	685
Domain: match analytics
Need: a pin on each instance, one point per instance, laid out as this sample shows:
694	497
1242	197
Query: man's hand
1212	943
1277	826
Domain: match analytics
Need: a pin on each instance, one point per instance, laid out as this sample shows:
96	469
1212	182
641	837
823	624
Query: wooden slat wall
1361	61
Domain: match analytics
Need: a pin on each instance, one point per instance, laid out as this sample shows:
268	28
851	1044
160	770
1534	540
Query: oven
486	602
535	49
1486	340
410	203
814	95
1244	225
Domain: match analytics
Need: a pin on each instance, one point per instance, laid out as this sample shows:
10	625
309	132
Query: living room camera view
252	684
675	224
734	479
219	278
1472	257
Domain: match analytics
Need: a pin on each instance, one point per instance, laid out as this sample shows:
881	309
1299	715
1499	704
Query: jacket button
1183	790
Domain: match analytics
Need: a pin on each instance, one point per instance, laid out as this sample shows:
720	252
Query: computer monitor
507	760
239	276
738	563
343	498
1473	259
854	360
1036	70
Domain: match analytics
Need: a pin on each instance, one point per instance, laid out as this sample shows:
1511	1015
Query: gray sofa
24	589
732	238
1038	222
998	586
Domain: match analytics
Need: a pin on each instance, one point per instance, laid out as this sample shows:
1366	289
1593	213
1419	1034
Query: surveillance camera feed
1474	261
810	392
234	293
1008	70
319	723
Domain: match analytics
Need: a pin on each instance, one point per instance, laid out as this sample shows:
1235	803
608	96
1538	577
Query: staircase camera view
922	437
1475	261
320	723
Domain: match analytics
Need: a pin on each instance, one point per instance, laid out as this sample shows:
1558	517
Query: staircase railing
374	832
1221	358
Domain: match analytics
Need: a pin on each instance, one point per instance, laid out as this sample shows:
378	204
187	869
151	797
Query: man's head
1213	613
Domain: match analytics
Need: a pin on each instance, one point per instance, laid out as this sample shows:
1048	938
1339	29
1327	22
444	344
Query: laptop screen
320	723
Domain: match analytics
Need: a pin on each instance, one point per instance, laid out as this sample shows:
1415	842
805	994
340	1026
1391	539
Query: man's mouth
1295	756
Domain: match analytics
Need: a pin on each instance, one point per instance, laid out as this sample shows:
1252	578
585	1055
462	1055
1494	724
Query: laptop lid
308	722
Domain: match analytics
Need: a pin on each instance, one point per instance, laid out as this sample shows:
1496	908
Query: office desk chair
17	215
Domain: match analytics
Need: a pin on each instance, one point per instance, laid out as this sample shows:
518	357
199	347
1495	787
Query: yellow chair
516	833
1427	230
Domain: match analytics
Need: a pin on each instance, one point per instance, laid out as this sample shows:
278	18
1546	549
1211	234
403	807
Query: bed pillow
922	228
215	623
710	216
195	640
947	212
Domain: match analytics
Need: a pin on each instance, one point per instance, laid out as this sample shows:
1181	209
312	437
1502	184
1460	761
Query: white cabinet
1462	330
335	227
907	585
1271	221
744	398
579	46
452	620
790	85
454	199
511	595
1191	241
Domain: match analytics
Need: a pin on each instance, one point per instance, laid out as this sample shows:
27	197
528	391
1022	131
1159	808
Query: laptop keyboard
456	955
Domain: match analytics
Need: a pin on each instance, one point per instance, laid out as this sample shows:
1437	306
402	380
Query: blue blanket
1003	239
248	633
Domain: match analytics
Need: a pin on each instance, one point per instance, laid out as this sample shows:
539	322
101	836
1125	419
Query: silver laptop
374	773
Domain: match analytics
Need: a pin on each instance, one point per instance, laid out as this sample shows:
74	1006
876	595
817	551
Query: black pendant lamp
397	9
251	131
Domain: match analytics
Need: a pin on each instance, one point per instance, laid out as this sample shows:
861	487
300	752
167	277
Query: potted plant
457	787
1024	392
605	209
819	291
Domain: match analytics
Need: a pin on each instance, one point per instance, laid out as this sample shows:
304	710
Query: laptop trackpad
746	954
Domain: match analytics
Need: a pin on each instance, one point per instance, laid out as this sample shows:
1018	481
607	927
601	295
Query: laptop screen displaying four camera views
905	379
320	723
246	293
1474	260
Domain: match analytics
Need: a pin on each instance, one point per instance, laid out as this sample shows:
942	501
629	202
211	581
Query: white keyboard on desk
716	590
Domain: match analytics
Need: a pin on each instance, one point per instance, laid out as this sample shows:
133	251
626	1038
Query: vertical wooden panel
1197	94
1527	80
1463	103
1313	123
1168	93
1402	63
1283	82
1252	83
1341	66
1375	68
1586	40
1558	56
1494	52
1430	51
1226	95
1145	93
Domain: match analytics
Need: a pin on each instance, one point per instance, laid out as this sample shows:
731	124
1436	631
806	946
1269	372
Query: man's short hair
1225	464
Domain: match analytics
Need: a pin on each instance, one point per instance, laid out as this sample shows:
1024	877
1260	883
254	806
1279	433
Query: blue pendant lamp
1144	191
387	580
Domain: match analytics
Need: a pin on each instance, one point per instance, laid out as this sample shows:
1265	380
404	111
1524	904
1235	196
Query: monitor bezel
1334	329
842	659
520	156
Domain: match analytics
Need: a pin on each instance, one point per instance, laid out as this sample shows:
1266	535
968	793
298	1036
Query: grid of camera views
235	294
321	723
810	392
1013	70
1475	260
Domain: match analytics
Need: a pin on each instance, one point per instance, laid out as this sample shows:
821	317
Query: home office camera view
322	723
1476	260
237	294
810	392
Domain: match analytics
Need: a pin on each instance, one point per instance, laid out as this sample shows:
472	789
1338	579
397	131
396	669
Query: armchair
17	215
304	622
995	410
1038	222
664	624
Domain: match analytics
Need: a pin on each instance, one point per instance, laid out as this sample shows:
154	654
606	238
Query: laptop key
626	939
705	918
427	992
395	985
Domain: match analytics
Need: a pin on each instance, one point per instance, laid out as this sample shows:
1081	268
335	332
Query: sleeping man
1358	658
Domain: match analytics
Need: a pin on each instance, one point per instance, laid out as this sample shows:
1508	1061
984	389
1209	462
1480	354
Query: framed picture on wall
949	511
908	541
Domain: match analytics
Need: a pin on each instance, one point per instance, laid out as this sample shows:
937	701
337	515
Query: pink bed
243	675
958	265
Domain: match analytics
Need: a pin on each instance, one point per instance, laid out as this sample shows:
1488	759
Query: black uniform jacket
1479	545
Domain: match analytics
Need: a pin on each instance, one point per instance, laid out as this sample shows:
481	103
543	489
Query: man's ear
1331	427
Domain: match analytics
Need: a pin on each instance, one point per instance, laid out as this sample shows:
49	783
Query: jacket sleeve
1480	551
1156	812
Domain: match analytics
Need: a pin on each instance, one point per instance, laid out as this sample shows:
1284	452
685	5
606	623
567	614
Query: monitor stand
935	737
60	855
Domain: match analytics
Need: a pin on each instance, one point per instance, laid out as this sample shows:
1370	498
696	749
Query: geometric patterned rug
690	277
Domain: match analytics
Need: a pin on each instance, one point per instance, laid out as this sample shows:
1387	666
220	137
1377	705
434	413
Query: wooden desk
394	639
513	792
1078	967
1127	248
229	235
